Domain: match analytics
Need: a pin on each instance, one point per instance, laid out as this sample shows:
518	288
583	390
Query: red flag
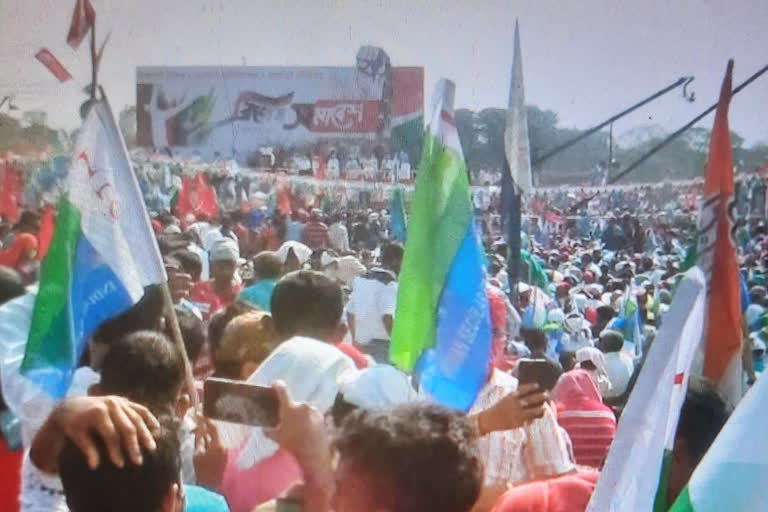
10	193
47	224
82	21
206	196
184	198
717	257
101	50
52	63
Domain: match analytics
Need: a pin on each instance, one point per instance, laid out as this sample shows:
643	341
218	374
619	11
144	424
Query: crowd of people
304	302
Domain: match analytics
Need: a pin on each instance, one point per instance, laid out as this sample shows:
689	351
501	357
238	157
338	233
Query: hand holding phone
240	402
541	371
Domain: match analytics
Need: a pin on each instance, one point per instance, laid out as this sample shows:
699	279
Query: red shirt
566	493
315	235
210	301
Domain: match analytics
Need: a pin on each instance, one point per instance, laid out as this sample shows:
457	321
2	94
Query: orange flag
717	258
83	19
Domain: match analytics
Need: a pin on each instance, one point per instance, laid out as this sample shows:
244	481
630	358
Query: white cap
224	249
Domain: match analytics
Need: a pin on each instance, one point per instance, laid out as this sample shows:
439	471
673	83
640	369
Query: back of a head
190	262
703	415
129	489
192	332
392	255
306	303
611	341
11	284
418	457
266	265
535	340
146	367
221	318
144	315
248	338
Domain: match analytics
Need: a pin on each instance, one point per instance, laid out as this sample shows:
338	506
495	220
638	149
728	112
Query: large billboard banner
226	111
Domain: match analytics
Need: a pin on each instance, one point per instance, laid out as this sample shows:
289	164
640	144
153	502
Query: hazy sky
585	59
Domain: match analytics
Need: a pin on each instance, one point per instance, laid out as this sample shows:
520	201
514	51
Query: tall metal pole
567	144
94	63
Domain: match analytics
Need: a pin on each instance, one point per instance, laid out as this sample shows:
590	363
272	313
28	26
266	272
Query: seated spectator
590	424
618	365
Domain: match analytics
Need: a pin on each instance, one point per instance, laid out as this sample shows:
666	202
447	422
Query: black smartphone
540	371
240	402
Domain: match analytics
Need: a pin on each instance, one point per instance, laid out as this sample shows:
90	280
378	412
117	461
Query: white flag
516	144
648	424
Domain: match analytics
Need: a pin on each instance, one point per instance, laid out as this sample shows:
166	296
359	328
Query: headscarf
311	371
376	388
564	493
599	375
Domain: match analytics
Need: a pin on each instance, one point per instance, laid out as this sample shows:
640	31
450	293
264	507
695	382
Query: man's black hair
128	489
392	255
535	340
266	265
11	284
611	341
192	332
145	367
417	457
190	262
145	315
306	303
702	416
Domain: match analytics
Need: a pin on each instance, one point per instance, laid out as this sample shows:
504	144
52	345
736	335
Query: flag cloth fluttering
646	433
83	19
443	318
197	197
50	61
732	474
102	256
516	143
717	258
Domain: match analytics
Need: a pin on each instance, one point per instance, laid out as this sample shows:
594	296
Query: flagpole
170	312
93	59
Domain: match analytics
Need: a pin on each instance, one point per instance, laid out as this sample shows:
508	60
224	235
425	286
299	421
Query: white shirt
374	295
619	369
339	237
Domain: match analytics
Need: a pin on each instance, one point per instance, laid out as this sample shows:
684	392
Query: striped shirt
591	433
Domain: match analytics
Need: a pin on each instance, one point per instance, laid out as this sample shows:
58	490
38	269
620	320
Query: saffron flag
83	19
196	197
716	256
443	318
646	432
102	256
732	474
50	61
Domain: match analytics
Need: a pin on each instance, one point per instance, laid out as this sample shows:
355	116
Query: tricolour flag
646	431
83	19
716	256
102	255
443	319
732	474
